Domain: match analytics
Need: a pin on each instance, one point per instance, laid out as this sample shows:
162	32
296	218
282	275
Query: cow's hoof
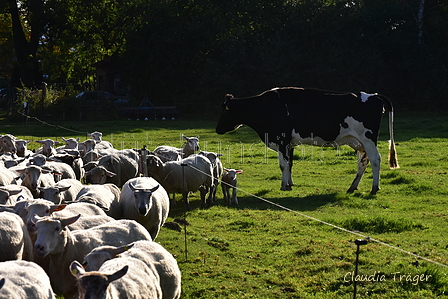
351	190
374	190
286	188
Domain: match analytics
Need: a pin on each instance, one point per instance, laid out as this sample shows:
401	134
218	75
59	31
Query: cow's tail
393	162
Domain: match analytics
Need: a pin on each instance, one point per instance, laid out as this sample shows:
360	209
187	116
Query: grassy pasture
258	250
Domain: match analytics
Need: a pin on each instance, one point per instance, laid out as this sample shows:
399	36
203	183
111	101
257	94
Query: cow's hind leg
375	161
286	168
363	161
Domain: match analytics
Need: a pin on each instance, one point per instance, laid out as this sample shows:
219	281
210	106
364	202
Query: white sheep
35	176
64	246
47	148
21	146
7	144
7	176
169	153
70	143
42	207
63	191
114	168
15	242
60	170
217	172
100	143
118	278
229	181
72	159
197	174
145	201
24	279
149	252
10	194
106	196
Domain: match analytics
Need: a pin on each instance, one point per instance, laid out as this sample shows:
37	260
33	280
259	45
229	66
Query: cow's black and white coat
290	116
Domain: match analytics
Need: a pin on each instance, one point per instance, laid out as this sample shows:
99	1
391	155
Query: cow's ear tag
227	108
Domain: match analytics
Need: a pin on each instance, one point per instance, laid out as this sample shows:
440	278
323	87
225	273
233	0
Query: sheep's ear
62	189
2	283
69	220
35	218
56	208
226	169
76	269
155	188
117	275
110	173
239	171
119	250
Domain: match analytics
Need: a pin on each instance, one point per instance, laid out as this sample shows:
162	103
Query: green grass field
259	250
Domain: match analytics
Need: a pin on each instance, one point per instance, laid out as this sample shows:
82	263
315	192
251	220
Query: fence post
358	243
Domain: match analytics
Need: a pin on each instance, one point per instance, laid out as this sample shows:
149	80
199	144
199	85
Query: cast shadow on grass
307	203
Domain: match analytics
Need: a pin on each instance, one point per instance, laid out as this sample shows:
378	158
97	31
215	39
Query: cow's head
229	116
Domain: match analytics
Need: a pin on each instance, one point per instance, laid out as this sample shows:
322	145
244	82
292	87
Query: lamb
175	178
118	278
217	172
42	207
63	191
145	201
35	176
148	252
114	168
64	246
24	279
170	153
10	194
15	242
106	196
228	181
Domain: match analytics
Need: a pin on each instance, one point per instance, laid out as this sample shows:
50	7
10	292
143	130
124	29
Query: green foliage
192	52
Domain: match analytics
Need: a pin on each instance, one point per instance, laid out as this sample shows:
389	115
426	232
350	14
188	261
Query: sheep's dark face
143	199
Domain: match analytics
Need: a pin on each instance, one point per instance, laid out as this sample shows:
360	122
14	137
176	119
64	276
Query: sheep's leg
173	200
234	198
187	202
211	195
225	193
203	190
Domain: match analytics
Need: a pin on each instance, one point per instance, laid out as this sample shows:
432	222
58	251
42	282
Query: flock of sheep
81	219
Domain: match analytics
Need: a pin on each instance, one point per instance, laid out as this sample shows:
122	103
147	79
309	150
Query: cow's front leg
285	166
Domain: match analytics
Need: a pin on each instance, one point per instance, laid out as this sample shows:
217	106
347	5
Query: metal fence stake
358	243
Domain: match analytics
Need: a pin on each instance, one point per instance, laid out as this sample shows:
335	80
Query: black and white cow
289	116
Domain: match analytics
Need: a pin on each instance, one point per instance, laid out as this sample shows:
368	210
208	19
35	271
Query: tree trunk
421	10
26	52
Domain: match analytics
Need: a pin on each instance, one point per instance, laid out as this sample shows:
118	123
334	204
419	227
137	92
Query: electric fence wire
285	208
332	225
